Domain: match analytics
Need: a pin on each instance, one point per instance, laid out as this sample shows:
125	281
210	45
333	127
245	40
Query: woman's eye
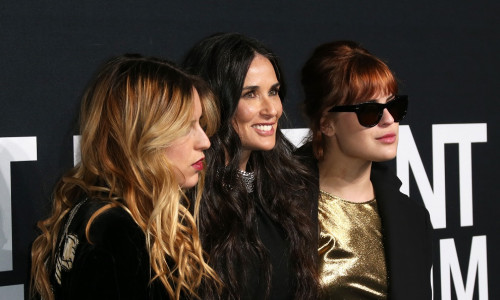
249	95
194	125
274	92
203	123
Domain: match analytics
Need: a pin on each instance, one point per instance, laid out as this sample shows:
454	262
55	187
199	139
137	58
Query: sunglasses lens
369	114
398	108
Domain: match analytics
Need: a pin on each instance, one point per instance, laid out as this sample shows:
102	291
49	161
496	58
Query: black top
274	240
406	229
114	265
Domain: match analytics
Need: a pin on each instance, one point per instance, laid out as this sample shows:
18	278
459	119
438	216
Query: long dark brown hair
227	214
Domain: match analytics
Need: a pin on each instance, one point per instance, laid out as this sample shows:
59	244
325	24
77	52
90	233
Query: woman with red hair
374	242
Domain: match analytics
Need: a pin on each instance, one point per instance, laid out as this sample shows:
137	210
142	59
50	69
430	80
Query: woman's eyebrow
251	87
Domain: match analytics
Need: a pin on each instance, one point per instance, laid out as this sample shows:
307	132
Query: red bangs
367	78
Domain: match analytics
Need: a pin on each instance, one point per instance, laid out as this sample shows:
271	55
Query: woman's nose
270	106
203	141
387	118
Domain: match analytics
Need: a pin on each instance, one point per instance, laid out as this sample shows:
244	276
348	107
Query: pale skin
187	152
350	150
259	109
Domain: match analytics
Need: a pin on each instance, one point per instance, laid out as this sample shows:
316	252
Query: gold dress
351	252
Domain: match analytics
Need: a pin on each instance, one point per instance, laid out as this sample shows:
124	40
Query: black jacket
113	265
406	229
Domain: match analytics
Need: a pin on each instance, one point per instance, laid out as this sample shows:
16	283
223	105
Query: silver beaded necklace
248	180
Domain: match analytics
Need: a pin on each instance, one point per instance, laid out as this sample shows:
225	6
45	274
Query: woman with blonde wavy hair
121	226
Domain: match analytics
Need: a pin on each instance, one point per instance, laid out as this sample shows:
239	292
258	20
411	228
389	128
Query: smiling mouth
263	127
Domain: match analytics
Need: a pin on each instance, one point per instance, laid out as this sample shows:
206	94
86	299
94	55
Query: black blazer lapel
405	229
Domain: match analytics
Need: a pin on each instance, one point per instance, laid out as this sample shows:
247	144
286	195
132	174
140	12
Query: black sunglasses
370	113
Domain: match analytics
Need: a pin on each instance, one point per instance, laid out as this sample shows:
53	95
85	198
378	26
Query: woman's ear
327	126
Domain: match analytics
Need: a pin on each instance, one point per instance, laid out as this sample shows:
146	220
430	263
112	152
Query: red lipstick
198	165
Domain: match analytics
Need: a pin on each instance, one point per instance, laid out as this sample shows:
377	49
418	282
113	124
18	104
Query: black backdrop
444	52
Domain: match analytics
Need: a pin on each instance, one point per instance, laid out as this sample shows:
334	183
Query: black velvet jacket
113	265
406	229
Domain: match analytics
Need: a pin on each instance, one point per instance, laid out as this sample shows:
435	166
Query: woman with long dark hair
121	226
255	218
375	242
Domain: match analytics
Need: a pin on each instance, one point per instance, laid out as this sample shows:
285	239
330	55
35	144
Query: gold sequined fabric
352	260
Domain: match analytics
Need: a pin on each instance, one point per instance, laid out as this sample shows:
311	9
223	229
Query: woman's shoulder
387	187
113	224
305	154
108	254
107	223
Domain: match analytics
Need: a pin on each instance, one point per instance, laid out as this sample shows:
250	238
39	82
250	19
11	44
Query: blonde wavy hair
132	111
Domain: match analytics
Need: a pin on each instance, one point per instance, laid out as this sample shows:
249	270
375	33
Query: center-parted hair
227	211
133	110
341	73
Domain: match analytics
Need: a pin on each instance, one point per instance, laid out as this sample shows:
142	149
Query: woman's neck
346	178
245	156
